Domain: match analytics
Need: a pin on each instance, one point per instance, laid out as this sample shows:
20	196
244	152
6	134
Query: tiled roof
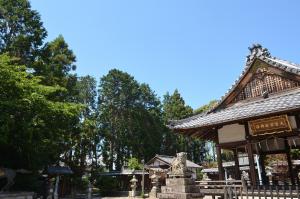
241	110
285	101
169	159
259	53
59	170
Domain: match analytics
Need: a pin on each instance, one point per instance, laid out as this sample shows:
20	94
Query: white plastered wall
231	133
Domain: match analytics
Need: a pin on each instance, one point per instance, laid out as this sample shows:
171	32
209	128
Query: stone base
21	195
180	188
180	195
153	192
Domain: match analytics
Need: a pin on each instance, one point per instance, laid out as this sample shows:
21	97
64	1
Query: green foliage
133	163
107	184
50	115
33	127
129	117
295	154
206	107
199	174
174	108
227	155
21	30
55	62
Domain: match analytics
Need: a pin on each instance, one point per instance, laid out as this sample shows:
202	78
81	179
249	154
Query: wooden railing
227	189
237	189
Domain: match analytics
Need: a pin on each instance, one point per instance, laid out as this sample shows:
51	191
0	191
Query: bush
106	183
133	163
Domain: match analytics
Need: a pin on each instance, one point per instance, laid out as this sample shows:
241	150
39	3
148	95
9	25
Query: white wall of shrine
231	133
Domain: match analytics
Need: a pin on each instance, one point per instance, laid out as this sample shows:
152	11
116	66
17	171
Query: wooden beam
231	145
295	132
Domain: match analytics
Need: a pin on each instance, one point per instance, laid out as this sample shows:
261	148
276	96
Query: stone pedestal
153	192
180	188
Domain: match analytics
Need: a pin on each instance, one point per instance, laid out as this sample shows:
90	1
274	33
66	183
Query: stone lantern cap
133	180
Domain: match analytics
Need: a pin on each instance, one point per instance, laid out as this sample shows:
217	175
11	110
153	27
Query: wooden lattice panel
263	81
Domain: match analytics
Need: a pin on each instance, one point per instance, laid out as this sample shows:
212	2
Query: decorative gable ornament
257	50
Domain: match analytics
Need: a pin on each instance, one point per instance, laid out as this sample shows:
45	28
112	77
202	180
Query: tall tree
86	142
174	108
21	30
55	62
206	107
129	118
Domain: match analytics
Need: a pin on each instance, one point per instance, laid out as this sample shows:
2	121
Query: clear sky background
196	46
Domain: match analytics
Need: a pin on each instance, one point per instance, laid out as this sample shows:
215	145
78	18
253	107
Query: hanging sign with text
270	125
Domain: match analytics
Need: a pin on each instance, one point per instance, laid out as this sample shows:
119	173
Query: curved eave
283	103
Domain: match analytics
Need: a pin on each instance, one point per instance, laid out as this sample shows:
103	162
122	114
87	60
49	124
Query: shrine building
258	116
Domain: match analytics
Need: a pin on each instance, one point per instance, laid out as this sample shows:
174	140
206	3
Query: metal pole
258	169
143	177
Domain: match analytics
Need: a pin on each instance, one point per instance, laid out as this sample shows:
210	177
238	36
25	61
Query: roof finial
257	50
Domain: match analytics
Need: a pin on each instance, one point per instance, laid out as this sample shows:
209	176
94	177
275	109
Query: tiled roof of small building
169	159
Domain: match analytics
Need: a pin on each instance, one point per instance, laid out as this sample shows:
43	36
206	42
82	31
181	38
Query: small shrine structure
162	164
258	116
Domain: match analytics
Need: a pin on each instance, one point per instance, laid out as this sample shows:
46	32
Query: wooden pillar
219	160
250	155
237	165
289	161
251	164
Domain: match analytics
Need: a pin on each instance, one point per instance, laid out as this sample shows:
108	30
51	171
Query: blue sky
196	46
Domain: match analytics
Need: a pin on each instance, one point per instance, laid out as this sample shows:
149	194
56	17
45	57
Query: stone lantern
155	185
270	176
133	186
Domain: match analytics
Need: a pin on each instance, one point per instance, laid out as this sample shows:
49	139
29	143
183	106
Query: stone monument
179	183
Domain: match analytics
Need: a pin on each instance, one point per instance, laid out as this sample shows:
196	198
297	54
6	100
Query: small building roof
168	161
59	170
124	172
